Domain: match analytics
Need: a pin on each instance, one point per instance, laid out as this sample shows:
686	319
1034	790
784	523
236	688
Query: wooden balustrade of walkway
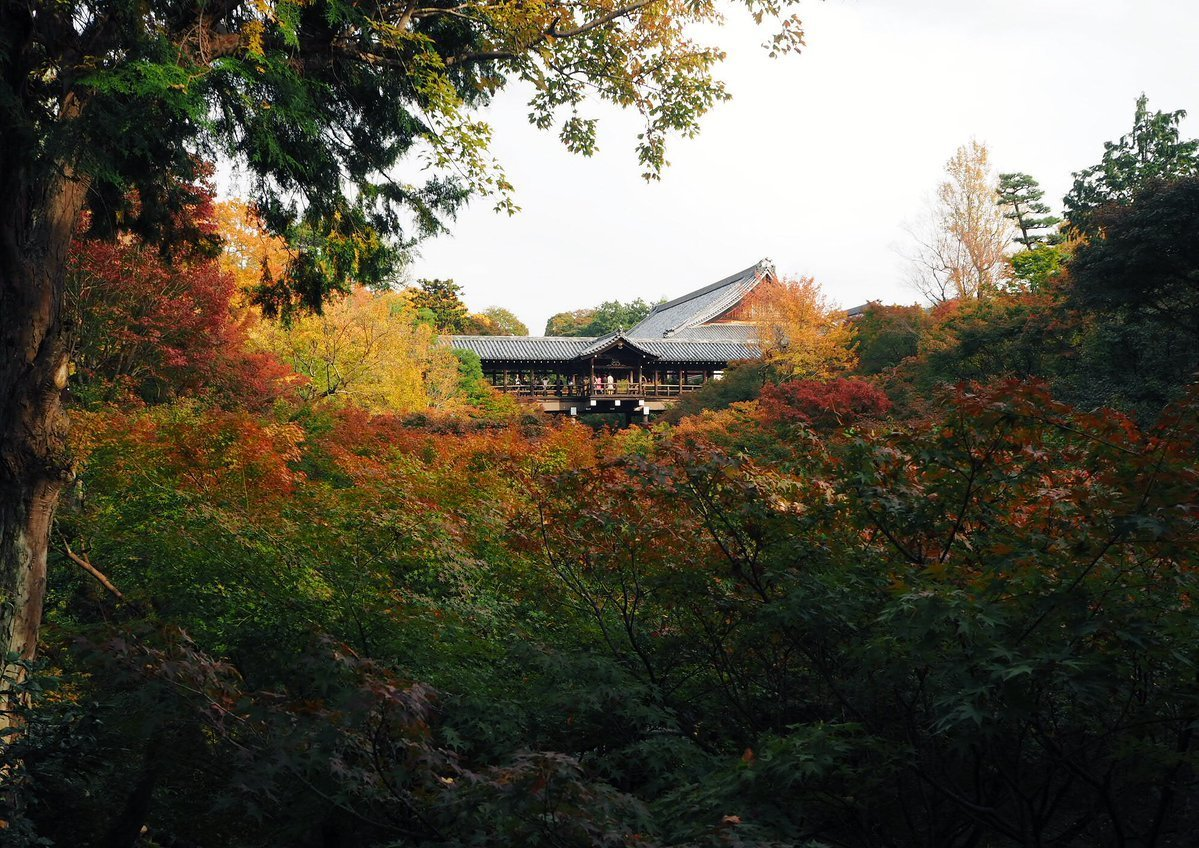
632	400
634	391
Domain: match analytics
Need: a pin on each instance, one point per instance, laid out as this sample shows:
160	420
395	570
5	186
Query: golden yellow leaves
249	251
367	348
800	330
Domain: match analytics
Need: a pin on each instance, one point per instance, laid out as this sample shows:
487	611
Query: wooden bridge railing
642	390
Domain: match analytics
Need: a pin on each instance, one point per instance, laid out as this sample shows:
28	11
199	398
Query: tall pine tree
1020	195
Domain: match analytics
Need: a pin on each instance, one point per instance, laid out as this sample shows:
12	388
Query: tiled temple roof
565	349
677	316
524	348
685	350
675	332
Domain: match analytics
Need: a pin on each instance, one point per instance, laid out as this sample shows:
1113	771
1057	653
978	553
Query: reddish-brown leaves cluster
822	404
157	327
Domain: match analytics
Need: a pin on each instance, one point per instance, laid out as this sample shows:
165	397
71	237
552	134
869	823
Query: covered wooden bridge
677	348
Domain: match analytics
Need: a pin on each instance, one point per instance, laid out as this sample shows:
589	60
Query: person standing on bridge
611	385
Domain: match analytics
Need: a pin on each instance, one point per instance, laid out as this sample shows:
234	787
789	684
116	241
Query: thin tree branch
581	29
83	563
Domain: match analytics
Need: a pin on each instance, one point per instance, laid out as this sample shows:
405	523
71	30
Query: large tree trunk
34	466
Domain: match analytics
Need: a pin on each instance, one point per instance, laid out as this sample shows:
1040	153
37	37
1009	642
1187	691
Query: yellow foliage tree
249	252
800	331
370	349
961	246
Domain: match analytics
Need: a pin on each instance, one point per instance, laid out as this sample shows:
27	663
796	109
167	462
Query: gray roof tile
674	350
562	349
675	332
523	348
601	343
745	333
703	305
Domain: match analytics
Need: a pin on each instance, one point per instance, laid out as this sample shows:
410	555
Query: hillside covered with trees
918	576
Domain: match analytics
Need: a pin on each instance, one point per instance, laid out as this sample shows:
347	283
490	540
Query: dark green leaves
1153	151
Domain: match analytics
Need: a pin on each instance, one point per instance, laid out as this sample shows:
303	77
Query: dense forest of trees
919	577
109	112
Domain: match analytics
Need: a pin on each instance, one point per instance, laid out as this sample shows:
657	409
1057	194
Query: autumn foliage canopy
916	578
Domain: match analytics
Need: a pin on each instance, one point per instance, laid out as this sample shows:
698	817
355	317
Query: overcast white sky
820	158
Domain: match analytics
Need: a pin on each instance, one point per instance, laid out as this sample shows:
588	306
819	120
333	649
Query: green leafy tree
112	106
573	323
1147	260
608	317
1016	335
440	302
884	335
612	315
502	322
1153	150
1020	195
475	388
1139	285
741	382
1032	269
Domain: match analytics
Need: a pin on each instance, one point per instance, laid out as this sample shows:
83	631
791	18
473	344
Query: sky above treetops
820	159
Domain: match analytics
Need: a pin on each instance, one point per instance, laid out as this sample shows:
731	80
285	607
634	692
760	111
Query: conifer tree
1020	195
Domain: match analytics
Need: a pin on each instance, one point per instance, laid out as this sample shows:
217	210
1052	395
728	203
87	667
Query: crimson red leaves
823	404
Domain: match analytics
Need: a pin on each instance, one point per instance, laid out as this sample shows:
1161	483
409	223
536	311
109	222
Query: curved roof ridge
760	266
619	337
702	305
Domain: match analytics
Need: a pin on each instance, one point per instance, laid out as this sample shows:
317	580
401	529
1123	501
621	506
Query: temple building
677	348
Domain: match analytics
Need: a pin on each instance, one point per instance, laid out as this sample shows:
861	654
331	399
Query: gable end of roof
702	305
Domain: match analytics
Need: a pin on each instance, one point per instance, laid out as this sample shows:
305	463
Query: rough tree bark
35	235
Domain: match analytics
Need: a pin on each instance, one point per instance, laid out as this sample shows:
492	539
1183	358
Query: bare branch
581	29
83	563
